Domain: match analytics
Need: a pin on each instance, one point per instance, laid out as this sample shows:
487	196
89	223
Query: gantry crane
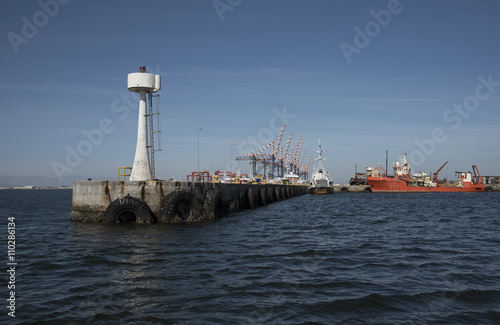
273	164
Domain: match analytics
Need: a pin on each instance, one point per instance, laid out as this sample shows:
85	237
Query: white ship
321	183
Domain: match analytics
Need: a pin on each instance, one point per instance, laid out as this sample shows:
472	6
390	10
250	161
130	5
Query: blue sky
362	76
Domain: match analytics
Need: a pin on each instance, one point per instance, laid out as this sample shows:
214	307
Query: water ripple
348	258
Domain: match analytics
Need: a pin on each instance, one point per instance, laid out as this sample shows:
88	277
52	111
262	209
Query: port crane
435	177
262	162
306	168
279	161
477	179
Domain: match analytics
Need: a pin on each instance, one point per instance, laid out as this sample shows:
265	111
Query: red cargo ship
403	181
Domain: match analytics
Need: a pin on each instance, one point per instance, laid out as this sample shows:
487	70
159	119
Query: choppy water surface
343	258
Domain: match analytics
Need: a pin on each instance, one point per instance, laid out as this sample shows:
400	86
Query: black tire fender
278	194
213	207
263	197
271	195
176	206
284	193
252	199
129	209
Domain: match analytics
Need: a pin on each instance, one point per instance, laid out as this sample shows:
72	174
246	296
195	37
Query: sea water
350	258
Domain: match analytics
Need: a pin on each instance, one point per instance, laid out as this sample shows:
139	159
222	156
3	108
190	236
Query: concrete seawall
351	188
170	201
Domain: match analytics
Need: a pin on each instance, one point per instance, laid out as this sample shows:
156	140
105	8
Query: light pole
230	161
198	141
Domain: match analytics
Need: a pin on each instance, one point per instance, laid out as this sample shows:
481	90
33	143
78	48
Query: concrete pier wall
351	188
170	201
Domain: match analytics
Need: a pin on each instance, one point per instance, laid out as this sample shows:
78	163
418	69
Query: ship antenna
386	161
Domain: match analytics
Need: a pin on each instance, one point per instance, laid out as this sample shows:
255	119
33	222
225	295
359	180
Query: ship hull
391	185
320	190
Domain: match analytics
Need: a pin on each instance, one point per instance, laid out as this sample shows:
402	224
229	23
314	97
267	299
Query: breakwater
170	201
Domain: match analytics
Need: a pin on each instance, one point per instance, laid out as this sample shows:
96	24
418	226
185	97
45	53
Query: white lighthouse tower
142	83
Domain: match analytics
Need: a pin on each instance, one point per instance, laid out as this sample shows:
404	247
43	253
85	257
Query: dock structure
351	188
144	199
491	183
279	162
170	201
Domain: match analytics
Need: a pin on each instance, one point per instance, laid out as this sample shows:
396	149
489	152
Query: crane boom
278	141
478	180
284	153
435	177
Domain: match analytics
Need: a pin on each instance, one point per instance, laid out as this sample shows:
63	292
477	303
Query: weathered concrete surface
492	188
92	198
351	188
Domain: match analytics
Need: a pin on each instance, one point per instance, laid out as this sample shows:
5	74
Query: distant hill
8	181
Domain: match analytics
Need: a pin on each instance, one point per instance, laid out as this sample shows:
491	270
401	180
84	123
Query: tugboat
403	181
321	183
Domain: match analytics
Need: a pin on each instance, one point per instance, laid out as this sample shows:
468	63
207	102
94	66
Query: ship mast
320	157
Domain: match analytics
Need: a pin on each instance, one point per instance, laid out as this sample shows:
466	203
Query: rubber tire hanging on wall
277	192
129	209
176	206
213	207
284	194
263	198
271	195
253	199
